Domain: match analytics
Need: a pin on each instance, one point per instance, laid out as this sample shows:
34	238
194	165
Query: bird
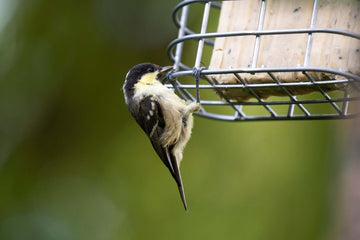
165	118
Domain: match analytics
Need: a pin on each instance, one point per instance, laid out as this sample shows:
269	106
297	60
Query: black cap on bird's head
136	72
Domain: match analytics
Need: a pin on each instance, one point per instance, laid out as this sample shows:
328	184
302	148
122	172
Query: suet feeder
268	59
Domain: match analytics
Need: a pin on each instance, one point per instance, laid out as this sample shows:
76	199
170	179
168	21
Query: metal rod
179	47
354	77
291	108
280	117
279	102
202	31
345	105
310	36
200	49
262	85
206	36
257	39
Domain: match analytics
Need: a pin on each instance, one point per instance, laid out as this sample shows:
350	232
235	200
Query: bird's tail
182	194
175	172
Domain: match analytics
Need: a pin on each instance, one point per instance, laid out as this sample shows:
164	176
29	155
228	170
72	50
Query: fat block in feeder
333	51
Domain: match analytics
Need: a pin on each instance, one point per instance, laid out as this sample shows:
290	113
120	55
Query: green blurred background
75	165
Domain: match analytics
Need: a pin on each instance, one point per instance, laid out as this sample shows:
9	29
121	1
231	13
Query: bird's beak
163	70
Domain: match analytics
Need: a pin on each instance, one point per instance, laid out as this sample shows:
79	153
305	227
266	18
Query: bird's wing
151	120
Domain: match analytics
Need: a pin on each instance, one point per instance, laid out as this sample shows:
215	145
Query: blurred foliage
75	165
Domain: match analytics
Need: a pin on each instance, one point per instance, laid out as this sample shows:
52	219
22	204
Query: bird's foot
193	107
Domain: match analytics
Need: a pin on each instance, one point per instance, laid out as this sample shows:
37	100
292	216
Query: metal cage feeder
192	80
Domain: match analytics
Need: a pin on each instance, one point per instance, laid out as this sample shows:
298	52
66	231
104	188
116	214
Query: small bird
165	118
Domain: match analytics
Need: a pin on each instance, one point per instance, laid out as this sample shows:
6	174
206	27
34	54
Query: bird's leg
192	107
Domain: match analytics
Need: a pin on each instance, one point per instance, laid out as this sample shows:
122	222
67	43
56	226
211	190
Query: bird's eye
150	69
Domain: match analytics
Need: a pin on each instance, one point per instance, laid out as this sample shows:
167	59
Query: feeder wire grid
339	104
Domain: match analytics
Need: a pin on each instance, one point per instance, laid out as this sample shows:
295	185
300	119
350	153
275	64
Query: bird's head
144	73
